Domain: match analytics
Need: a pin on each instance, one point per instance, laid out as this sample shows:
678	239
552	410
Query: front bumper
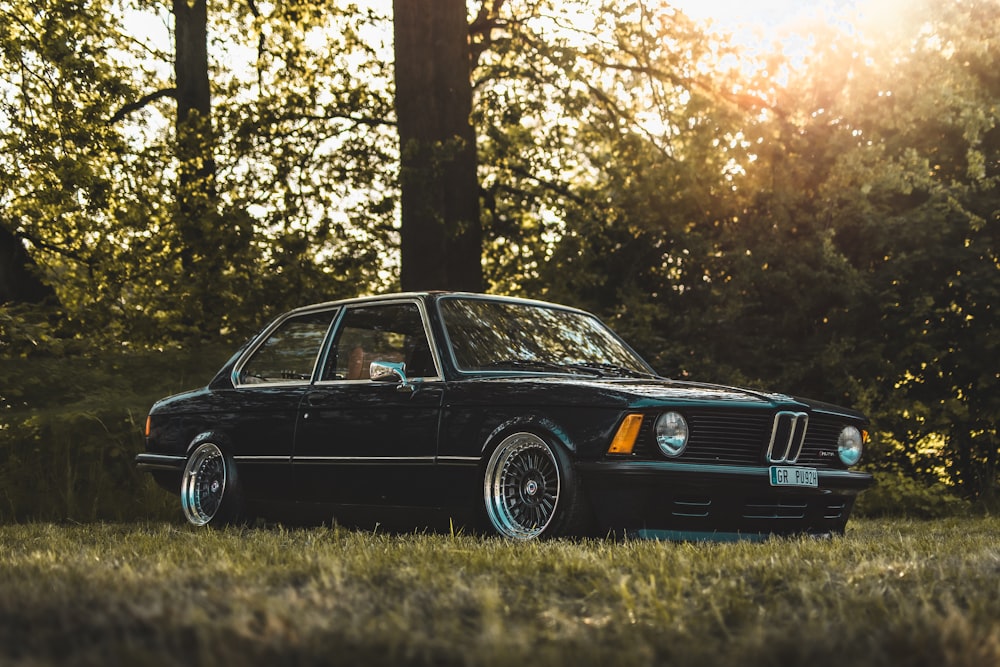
670	499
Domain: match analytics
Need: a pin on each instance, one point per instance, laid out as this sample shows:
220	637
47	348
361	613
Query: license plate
787	476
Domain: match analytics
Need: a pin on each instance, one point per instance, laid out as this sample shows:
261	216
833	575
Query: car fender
218	437
535	423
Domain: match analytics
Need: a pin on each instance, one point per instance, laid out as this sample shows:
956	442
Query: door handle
316	398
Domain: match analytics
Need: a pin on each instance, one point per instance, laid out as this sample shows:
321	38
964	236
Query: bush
895	494
71	424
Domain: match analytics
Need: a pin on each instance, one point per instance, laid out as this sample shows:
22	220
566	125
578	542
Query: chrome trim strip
459	459
356	459
263	459
363	460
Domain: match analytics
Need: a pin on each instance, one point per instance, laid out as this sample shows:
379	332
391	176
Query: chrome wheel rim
203	484
521	487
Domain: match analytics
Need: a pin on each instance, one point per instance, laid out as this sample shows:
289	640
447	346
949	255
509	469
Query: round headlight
671	433
849	445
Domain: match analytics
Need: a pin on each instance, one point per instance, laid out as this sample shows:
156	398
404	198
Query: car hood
638	394
616	392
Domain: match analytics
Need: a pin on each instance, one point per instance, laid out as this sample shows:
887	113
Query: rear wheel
530	490
210	492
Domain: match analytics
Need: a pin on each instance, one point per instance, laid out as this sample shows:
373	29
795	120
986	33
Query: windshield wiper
540	365
603	369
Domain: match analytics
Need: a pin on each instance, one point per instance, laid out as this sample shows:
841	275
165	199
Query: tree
19	281
606	149
930	171
205	241
59	159
862	263
440	234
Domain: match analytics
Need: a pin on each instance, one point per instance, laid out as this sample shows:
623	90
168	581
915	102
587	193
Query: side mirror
390	371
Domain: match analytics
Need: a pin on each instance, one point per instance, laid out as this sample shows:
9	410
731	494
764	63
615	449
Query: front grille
820	446
748	437
788	432
729	438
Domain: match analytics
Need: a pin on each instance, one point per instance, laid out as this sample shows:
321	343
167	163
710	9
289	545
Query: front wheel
210	492
529	489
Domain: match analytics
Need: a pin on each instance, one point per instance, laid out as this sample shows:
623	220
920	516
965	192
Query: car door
372	442
269	384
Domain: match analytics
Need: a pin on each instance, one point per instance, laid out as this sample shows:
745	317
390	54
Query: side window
289	353
392	332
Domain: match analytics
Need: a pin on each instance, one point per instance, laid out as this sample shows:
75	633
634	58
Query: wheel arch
214	436
540	425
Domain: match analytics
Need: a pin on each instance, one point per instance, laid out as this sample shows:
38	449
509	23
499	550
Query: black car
525	418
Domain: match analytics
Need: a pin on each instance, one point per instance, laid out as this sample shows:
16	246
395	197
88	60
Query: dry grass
888	593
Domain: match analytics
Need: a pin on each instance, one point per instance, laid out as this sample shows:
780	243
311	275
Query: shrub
895	494
71	424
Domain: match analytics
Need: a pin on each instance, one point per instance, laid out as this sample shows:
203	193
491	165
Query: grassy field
888	593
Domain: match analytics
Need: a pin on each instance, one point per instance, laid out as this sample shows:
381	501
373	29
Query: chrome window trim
331	336
262	337
521	302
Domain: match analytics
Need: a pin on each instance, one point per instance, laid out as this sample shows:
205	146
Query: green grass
888	593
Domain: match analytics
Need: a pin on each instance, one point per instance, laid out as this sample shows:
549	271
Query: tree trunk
441	235
203	243
18	281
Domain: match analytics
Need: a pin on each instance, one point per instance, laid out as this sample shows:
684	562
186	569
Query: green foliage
71	424
828	230
895	494
916	210
833	235
888	593
302	196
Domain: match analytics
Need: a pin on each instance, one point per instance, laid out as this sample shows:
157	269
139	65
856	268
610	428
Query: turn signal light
627	433
149	419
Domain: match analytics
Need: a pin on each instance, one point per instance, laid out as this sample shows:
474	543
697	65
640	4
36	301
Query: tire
210	493
530	490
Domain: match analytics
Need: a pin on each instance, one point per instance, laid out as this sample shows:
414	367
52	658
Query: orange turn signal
626	436
149	419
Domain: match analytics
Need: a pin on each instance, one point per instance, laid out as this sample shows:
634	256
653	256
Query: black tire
210	489
530	489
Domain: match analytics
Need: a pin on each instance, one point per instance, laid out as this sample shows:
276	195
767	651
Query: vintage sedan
524	418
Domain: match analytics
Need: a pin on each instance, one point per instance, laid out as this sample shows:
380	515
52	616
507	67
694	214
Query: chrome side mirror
390	371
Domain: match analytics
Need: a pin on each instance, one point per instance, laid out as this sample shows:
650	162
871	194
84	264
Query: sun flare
757	27
755	31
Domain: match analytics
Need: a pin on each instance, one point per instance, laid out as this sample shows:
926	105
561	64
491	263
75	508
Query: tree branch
559	189
57	249
140	103
481	29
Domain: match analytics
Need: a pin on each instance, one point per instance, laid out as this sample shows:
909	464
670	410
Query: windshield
502	335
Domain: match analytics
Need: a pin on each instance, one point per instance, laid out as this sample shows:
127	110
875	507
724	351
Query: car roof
434	295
